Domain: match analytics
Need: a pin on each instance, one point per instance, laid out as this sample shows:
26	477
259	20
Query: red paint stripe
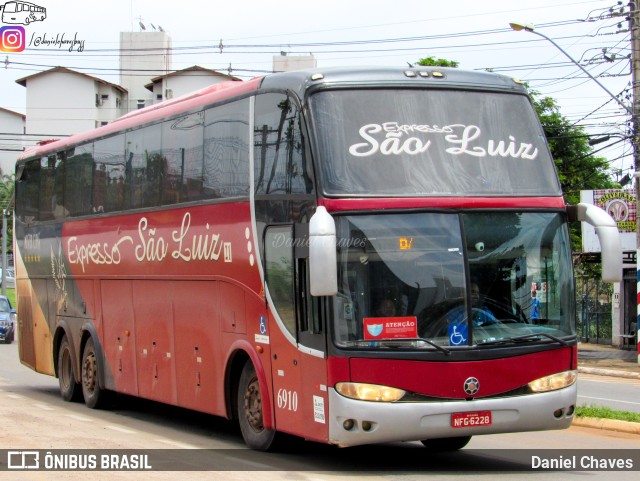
336	205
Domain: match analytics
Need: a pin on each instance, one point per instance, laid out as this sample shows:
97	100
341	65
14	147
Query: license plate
470	420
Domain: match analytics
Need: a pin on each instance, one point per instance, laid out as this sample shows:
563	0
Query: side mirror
609	237
323	267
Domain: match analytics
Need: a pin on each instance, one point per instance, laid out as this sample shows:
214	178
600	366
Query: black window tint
79	179
57	201
182	150
28	192
145	167
279	272
281	166
226	150
109	174
47	186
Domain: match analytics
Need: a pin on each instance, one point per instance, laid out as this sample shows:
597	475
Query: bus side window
226	150
281	165
28	191
279	272
57	201
47	173
109	174
183	153
78	184
145	167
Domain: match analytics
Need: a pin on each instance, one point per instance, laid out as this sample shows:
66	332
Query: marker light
554	382
369	392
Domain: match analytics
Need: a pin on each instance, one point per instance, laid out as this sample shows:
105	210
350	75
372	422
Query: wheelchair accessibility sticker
458	334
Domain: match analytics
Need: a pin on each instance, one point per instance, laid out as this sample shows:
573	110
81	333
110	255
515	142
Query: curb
609	372
608	424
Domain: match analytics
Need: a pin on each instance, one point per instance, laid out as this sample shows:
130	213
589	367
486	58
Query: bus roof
300	82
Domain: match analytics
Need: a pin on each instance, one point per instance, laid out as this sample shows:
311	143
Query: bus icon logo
22	12
23	460
12	39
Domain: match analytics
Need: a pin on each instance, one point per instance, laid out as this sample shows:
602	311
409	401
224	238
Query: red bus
345	255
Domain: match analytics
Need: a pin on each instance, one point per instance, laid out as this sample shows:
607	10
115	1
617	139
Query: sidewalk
608	360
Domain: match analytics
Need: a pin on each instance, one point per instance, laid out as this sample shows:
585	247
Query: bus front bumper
353	422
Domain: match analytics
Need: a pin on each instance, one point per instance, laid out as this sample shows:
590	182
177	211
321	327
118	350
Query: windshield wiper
524	338
395	343
438	347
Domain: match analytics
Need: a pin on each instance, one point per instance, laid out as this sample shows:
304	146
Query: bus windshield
424	280
430	143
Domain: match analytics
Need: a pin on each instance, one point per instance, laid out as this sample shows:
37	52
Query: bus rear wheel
250	414
94	396
69	388
446	444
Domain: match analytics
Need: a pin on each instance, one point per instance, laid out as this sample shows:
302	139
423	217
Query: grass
11	295
606	413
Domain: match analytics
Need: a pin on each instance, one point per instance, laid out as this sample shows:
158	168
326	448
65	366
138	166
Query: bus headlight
554	382
369	392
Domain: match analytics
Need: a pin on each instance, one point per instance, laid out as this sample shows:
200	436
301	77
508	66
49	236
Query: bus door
312	345
298	359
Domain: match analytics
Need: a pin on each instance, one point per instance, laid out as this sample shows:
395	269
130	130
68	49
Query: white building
143	55
61	101
175	84
12	128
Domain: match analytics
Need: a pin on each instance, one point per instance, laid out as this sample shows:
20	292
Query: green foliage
437	62
6	202
6	190
578	169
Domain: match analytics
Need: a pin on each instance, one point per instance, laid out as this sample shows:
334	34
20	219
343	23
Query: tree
437	62
578	167
6	203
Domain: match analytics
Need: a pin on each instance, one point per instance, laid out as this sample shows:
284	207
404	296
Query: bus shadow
292	453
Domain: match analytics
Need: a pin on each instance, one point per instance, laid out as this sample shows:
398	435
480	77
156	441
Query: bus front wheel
94	396
69	388
250	415
446	444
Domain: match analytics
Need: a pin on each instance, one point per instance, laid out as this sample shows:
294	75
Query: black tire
94	396
69	389
250	412
446	444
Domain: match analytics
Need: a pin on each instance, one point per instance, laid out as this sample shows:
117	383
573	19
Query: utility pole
634	28
4	251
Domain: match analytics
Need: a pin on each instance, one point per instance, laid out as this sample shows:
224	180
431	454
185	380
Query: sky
356	32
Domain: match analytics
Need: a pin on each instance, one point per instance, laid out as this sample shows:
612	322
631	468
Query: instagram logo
12	39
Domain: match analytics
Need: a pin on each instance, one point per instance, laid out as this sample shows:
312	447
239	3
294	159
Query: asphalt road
614	392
